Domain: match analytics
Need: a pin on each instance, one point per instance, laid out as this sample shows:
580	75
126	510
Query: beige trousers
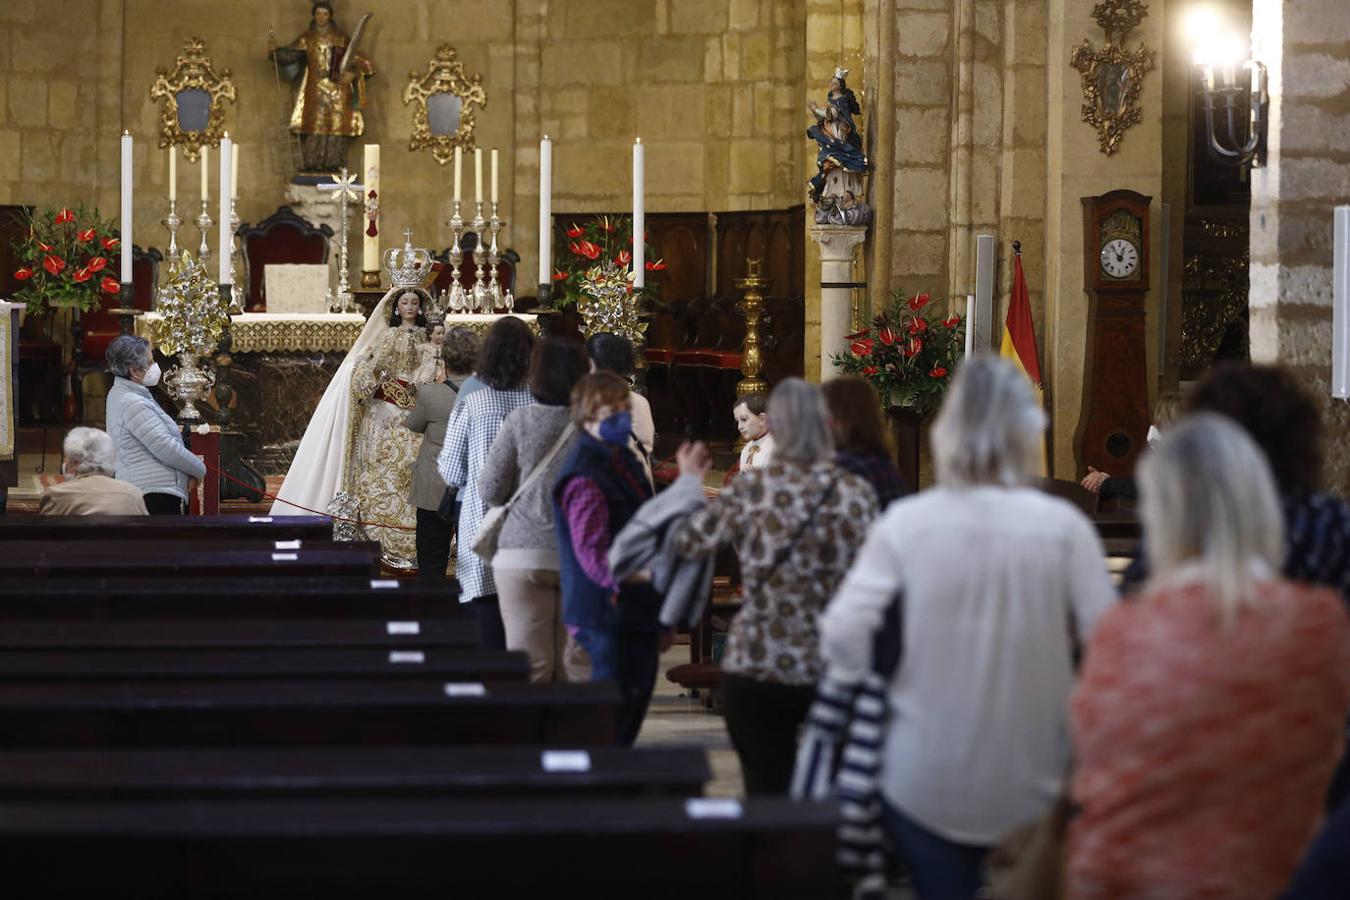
531	604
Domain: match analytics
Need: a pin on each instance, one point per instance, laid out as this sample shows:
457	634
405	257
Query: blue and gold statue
837	189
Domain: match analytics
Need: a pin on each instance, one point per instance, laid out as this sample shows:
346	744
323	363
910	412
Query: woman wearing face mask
601	486
150	449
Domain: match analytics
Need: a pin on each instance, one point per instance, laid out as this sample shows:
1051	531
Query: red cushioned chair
282	238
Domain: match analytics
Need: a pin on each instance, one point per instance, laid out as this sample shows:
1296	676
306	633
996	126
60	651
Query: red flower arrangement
603	237
58	259
907	354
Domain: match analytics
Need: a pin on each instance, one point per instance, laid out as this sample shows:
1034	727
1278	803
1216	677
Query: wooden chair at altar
468	267
282	238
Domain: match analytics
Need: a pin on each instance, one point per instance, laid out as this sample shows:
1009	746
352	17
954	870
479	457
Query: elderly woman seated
90	488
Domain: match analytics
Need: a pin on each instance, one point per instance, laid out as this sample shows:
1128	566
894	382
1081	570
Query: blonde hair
1208	496
990	426
595	391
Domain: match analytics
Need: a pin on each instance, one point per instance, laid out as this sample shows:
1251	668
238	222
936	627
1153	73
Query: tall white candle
173	172
545	211
639	218
206	178
494	175
970	324
234	172
478	175
459	173
370	246
127	153
226	170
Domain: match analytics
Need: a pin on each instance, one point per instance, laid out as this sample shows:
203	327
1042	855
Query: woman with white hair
90	488
998	582
796	525
150	450
1211	708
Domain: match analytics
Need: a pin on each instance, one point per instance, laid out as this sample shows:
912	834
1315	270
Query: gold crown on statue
408	266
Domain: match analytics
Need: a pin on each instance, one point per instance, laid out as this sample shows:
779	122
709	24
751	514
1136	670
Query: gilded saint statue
327	112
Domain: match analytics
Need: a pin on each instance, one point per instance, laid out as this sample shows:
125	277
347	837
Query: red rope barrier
316	512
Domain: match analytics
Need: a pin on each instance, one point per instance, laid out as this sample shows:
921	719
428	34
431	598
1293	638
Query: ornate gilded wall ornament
1113	77
443	99
192	100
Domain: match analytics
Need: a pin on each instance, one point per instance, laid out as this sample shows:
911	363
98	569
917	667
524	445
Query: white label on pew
465	689
260	518
285	557
287	545
380	584
403	628
407	656
712	808
566	761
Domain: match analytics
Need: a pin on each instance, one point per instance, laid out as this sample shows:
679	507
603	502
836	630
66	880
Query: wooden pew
254	596
167	528
42	559
236	634
75	715
288	664
87	775
415	848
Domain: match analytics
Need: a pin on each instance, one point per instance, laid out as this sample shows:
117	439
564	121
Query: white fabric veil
315	474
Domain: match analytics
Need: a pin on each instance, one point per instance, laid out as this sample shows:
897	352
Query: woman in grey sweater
150	449
526	563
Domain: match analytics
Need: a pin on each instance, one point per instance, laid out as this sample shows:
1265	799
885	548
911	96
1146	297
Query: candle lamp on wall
1241	96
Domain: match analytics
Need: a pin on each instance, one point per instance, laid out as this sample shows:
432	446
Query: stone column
1306	45
838	247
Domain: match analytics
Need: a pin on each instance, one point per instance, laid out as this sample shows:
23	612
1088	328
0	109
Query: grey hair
89	451
1207	496
990	427
126	352
800	423
460	350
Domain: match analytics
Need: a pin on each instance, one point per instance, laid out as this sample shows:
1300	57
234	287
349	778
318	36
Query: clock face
1120	258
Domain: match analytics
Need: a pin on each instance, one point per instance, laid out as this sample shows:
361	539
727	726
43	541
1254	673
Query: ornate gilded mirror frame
192	71
1113	77
444	75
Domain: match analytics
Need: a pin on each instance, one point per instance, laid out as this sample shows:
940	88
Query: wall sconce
1218	47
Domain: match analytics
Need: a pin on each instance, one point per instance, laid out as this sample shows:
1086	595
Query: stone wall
1306	44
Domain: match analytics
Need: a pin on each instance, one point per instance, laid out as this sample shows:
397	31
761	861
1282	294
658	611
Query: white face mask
1154	435
151	377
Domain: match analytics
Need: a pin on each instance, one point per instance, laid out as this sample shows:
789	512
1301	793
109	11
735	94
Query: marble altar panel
296	288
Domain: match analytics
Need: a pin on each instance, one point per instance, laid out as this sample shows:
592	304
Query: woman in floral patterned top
796	525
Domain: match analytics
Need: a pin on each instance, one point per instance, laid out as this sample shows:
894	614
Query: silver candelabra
204	222
479	302
172	222
235	268
455	302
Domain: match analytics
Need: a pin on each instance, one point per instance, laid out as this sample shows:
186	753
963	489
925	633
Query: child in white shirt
752	421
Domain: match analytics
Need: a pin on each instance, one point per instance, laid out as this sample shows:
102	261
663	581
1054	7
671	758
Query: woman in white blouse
999	582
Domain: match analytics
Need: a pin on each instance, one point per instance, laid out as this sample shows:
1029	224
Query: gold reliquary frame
192	100
446	83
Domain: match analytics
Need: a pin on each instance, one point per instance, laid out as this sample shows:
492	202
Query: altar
279	366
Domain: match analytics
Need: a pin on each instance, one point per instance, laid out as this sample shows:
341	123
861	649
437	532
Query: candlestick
172	222
494	288
226	191
234	171
545	217
370	240
206	178
480	299
459	173
494	176
127	155
204	223
173	173
235	306
970	317
639	217
753	285
478	177
456	299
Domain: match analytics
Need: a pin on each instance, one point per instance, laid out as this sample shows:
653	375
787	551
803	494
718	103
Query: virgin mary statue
356	457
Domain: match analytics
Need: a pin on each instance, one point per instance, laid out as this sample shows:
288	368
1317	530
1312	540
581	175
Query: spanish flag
1019	334
1019	337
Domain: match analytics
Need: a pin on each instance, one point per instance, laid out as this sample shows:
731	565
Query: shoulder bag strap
783	554
542	464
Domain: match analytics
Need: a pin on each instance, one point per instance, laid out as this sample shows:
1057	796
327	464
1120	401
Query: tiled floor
676	718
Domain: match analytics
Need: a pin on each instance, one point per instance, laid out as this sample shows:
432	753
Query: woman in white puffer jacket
150	449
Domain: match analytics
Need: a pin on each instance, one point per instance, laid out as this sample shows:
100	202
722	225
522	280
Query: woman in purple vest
601	486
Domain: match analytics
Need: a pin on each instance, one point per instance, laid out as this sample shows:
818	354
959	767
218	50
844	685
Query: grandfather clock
1114	420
